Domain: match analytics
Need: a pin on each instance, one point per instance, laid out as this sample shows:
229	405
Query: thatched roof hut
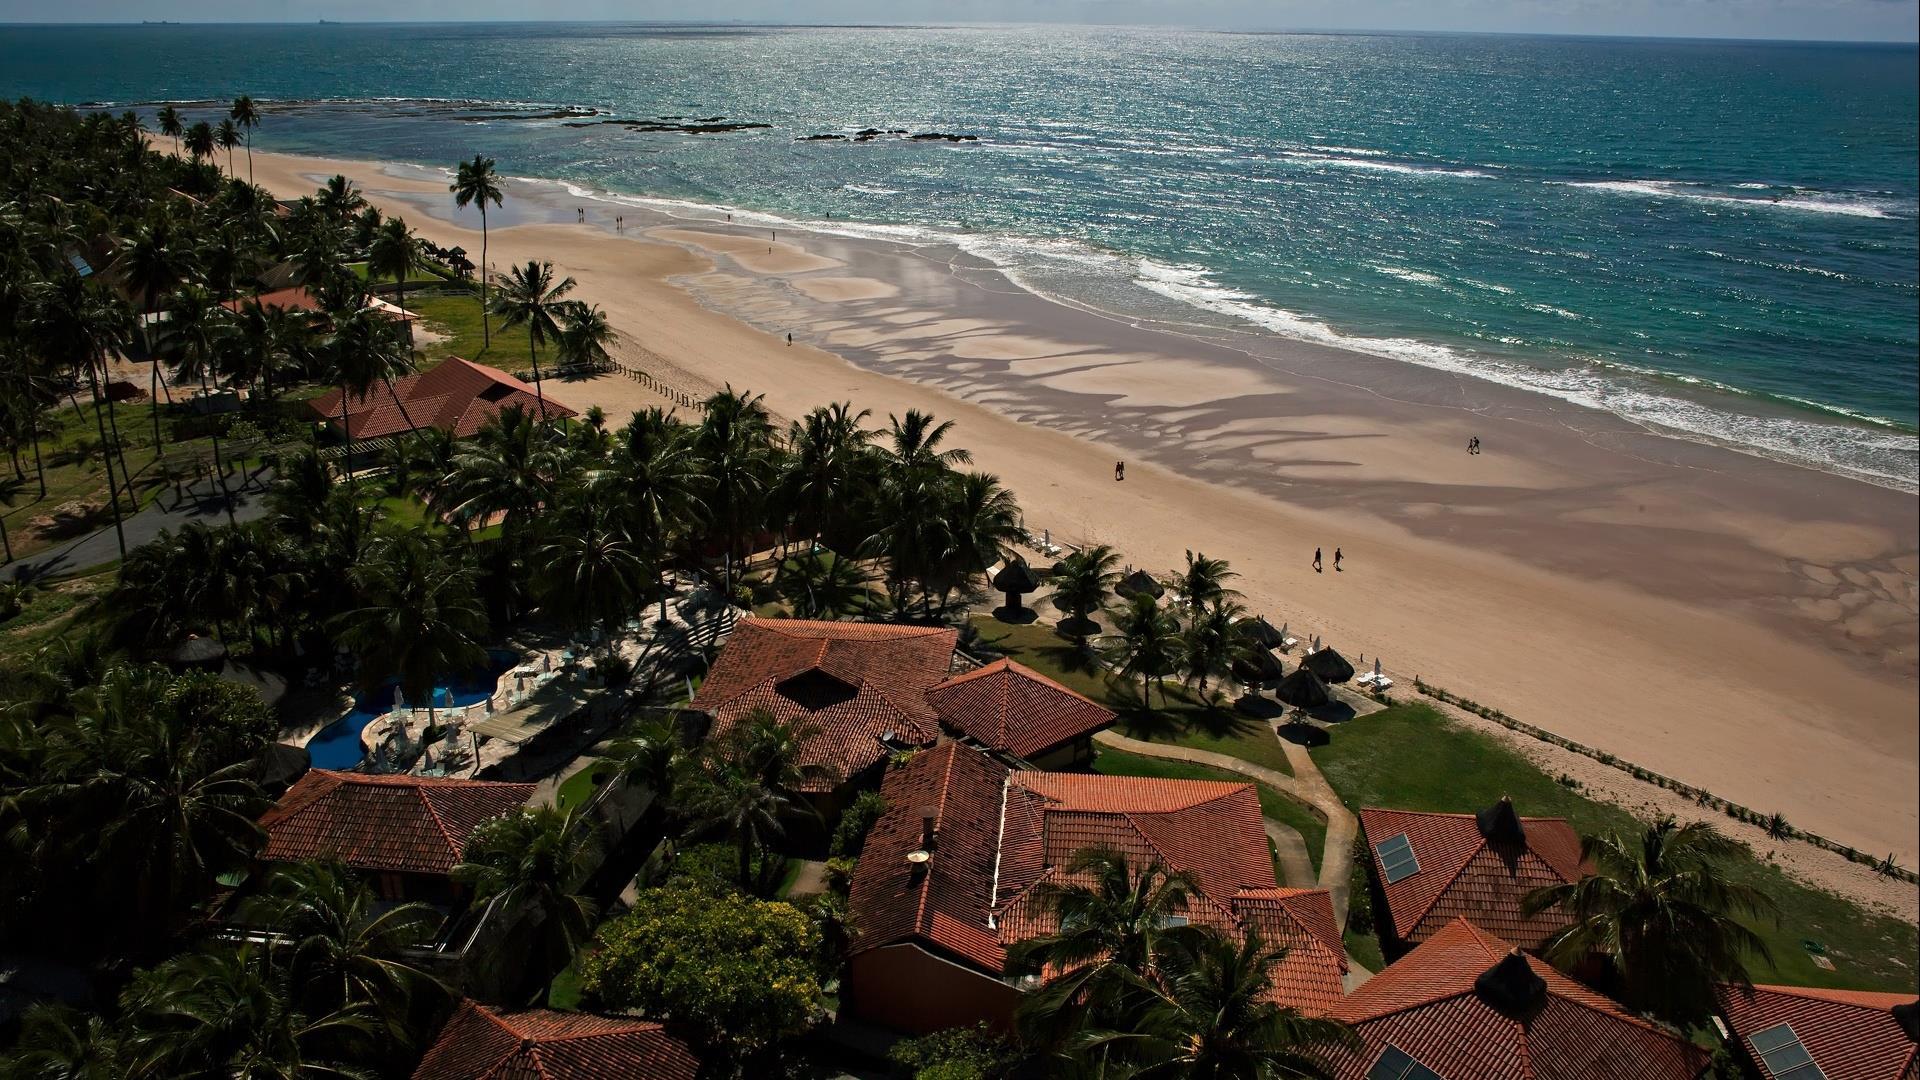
1329	665
1139	583
1259	668
197	653
1303	689
1013	576
1257	629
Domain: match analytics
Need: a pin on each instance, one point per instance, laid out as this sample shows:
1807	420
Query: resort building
1429	869
1801	1033
457	397
480	1043
951	875
404	833
867	690
1466	1004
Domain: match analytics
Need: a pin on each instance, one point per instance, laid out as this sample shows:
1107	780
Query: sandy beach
1744	625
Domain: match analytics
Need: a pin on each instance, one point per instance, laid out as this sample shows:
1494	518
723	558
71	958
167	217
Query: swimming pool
337	746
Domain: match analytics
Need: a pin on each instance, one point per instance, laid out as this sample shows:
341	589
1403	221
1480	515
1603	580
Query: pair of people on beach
1337	557
1473	445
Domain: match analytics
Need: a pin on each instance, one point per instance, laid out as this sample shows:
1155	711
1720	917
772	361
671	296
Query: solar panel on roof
1397	1064
1785	1057
1396	858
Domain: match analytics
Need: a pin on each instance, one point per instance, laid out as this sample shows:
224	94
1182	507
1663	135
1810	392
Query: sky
1852	20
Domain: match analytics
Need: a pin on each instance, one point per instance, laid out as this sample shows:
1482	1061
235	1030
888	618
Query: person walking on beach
789	339
1336	559
580	213
1119	470
1316	560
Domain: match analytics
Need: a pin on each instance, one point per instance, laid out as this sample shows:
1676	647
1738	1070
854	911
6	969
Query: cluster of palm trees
1199	636
203	138
1134	990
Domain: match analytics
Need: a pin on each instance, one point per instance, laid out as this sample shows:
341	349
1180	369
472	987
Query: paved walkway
200	502
1305	785
1296	863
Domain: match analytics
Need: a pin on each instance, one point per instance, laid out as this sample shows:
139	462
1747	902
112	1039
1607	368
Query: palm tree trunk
346	431
249	154
486	325
153	399
113	492
113	421
538	394
411	429
39	466
219	467
5	540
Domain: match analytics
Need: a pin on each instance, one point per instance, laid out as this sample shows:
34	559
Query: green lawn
454	313
575	790
1272	803
1181	718
1411	757
52	611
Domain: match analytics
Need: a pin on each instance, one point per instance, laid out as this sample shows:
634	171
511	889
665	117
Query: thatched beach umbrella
1013	576
1329	665
1258	630
1303	689
1139	583
1259	667
197	653
270	685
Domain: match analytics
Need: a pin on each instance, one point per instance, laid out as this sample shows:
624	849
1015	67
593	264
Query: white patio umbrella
1316	644
1376	667
399	702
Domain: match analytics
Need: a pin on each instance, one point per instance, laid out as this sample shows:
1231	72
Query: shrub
969	1053
1359	897
715	868
855	822
738	973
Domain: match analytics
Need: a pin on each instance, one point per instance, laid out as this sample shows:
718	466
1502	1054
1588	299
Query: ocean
1714	239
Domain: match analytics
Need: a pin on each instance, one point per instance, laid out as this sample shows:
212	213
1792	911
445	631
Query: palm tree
532	298
394	253
156	260
343	945
829	461
475	182
57	1042
822	585
247	115
170	125
1145	643
267	339
734	444
651	753
364	349
1214	1017
1213	643
593	574
227	136
1112	920
911	499
534	862
195	337
655	480
505	470
1204	582
1082	585
418	618
1662	915
232	1013
76	323
200	141
583	341
758	770
340	200
981	520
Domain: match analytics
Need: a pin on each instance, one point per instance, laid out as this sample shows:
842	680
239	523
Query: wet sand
1741	624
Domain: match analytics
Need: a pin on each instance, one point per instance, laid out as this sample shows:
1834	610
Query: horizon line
961	25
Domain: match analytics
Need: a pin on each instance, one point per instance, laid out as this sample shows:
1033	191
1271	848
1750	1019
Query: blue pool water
338	744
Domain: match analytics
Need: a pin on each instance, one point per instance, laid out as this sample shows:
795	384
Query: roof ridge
922	922
433	812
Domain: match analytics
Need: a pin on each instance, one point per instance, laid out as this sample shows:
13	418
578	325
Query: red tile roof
411	824
458	397
479	1043
859	685
1000	833
1427	1005
1850	1034
294	298
1462	873
1014	708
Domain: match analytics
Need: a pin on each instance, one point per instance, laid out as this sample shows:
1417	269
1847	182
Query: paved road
198	502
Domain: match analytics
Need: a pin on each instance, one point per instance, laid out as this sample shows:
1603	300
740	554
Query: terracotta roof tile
1000	834
1426	1005
411	824
480	1043
1850	1034
459	397
1014	708
855	683
1462	873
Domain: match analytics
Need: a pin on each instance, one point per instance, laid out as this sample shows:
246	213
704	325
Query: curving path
1305	785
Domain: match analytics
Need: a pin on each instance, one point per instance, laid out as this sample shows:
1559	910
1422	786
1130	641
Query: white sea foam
867	189
1386	166
1360	151
1806	202
1415	276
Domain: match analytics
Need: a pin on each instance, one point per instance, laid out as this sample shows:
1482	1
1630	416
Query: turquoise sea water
1717	238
